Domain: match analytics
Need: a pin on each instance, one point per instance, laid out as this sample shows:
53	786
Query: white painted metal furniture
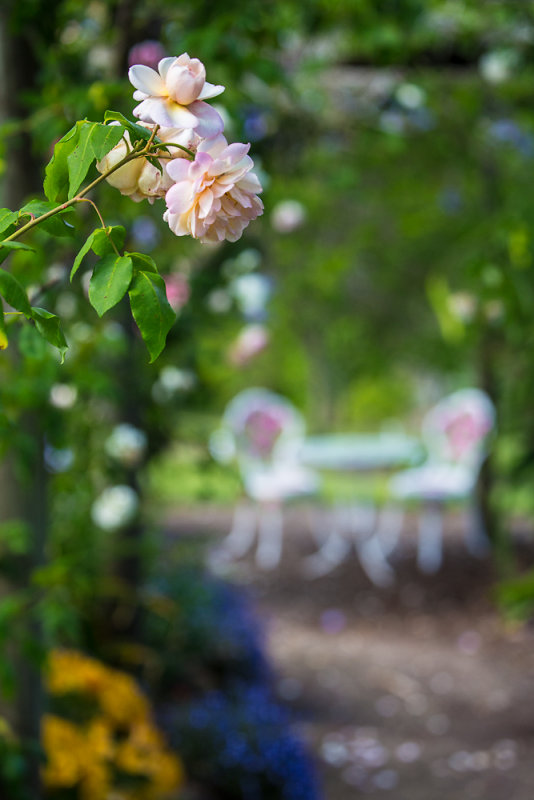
262	432
371	531
455	433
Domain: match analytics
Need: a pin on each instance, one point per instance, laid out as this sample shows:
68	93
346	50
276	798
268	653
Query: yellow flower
121	700
65	752
71	671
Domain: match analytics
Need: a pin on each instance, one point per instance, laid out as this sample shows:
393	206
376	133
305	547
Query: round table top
360	451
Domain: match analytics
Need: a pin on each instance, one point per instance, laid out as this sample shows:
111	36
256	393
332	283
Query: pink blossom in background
216	195
148	53
250	342
177	289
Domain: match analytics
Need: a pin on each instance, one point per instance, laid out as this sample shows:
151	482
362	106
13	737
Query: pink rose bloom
216	195
174	96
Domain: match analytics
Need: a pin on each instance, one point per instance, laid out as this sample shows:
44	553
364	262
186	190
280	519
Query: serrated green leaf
110	282
94	142
82	253
143	262
136	131
151	311
103	236
7	247
7	218
3	332
49	326
13	293
56	180
100	242
81	158
55	225
104	138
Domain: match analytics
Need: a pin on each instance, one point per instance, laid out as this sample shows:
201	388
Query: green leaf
7	218
102	244
82	253
7	247
49	326
94	142
56	181
80	159
143	262
55	225
151	311
110	282
136	131
13	293
3	332
99	241
104	138
155	163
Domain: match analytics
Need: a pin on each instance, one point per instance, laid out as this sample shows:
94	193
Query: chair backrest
456	430
257	426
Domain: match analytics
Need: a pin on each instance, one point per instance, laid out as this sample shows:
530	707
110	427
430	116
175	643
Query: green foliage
110	281
516	596
101	242
151	310
137	132
94	141
7	247
56	225
13	293
7	219
49	326
56	182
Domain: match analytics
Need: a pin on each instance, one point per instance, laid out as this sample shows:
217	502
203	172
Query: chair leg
430	548
373	560
334	549
240	538
269	537
389	528
476	538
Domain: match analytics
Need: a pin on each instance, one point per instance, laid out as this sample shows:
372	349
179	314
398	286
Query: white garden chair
262	432
455	433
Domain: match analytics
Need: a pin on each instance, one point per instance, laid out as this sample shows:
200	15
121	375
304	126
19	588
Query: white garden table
373	534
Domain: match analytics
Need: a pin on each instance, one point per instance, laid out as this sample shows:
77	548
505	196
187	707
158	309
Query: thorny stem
141	151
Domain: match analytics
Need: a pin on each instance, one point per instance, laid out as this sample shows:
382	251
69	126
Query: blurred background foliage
395	141
394	259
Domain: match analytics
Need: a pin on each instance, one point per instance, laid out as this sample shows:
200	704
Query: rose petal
164	65
178	169
147	80
210	90
209	121
213	146
184	59
179	198
161	111
205	202
250	183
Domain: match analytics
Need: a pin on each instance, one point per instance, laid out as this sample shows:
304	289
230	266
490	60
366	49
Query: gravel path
418	692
